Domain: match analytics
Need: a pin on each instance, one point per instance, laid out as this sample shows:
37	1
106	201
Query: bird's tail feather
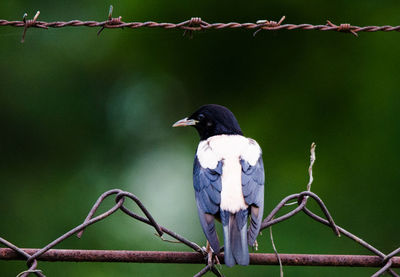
235	238
255	224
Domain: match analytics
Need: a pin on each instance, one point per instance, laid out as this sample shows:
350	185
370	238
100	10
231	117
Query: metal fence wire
386	262
194	24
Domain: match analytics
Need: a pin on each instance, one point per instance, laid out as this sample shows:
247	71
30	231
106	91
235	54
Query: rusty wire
174	257
386	262
194	24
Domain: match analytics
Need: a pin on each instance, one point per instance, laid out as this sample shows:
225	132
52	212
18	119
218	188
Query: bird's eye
200	116
209	123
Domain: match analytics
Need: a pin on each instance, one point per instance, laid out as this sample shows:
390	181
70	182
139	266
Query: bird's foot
212	259
210	254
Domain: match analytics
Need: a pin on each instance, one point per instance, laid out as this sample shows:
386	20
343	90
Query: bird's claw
212	259
217	260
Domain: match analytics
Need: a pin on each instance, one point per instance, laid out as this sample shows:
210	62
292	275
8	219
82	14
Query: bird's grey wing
207	187
253	192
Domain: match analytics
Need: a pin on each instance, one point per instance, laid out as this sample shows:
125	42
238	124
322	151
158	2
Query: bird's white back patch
229	149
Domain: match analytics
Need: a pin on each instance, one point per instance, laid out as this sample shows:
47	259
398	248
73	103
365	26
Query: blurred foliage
81	114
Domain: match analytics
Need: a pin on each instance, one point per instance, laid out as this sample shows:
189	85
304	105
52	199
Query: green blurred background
82	114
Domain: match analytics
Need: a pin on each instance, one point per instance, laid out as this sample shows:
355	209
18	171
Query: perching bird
228	179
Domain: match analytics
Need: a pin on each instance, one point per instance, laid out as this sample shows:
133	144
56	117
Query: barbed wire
194	24
386	261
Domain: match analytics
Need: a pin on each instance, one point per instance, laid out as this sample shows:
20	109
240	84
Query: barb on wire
196	24
31	23
385	262
267	24
111	21
344	27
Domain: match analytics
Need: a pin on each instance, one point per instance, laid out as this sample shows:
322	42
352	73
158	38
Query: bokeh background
81	114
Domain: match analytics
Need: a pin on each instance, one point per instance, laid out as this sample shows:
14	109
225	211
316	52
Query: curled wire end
313	145
344	27
29	271
268	24
166	240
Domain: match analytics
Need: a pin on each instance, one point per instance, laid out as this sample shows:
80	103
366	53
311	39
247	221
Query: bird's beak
185	122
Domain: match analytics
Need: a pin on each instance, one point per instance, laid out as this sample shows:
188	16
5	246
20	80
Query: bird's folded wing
207	186
253	193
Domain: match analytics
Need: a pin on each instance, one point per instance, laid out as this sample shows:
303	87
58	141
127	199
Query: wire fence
194	24
386	262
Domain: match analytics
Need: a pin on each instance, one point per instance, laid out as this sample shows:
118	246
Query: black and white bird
228	179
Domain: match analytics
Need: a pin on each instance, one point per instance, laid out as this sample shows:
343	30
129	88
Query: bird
228	180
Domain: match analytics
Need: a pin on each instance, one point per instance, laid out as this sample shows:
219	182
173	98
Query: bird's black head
211	120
